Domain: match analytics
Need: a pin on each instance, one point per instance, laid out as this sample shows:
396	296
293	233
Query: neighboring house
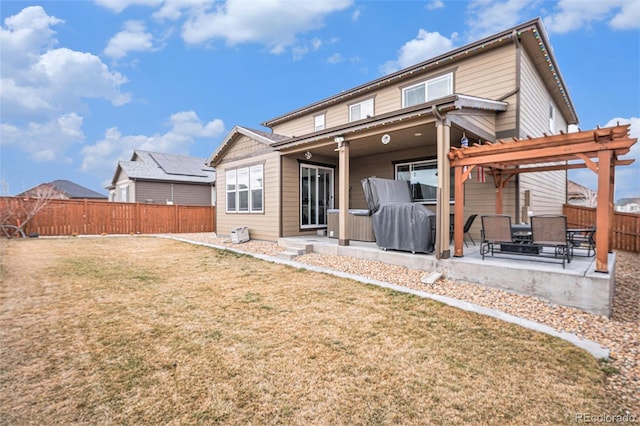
281	183
63	190
628	205
158	178
579	195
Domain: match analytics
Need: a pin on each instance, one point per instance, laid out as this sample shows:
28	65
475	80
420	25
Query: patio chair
551	231
582	239
465	229
496	229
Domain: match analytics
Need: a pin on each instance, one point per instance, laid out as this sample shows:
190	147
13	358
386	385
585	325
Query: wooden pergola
598	150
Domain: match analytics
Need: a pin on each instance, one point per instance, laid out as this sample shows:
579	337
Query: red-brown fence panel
93	217
625	227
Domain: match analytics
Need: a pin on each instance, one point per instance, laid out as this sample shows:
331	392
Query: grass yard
143	330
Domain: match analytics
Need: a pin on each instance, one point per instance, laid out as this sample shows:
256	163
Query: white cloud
43	87
628	17
435	4
120	5
133	38
627	179
45	141
100	158
336	58
487	17
273	23
356	14
574	15
40	82
426	45
26	34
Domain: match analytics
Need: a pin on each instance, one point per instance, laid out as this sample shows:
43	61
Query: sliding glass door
316	195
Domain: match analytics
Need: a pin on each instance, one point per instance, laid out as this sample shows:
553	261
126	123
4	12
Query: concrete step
291	253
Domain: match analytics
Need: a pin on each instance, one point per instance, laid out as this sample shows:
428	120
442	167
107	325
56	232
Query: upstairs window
428	90
318	122
361	110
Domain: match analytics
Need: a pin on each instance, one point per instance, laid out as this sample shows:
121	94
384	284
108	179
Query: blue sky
84	83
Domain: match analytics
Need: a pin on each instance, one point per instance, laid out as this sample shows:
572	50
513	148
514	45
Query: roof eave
408	72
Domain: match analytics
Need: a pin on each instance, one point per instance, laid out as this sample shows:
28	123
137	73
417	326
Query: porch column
443	130
604	210
343	192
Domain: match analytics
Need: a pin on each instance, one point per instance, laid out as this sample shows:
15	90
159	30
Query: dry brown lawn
143	330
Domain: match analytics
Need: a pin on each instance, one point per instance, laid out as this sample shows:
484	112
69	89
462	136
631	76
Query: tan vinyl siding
291	192
262	226
178	193
535	102
491	76
479	198
245	147
547	189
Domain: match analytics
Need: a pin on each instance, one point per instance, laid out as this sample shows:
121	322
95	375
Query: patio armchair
496	230
551	231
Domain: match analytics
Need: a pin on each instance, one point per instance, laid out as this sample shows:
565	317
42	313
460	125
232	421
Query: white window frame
366	110
254	189
124	193
448	78
319	122
434	163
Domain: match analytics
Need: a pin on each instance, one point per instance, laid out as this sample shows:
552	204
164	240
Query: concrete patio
578	285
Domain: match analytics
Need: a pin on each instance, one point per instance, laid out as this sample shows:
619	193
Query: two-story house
400	126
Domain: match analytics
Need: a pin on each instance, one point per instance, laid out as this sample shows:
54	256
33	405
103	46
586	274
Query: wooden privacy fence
92	217
625	226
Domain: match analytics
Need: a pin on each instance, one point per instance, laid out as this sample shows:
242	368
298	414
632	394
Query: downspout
518	87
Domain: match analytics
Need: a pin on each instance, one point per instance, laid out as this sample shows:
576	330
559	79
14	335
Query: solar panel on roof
179	165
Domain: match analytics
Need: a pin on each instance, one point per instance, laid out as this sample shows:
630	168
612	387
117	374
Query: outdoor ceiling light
308	155
386	139
338	139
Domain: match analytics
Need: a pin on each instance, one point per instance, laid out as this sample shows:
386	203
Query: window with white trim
361	110
423	177
318	122
428	90
245	189
124	193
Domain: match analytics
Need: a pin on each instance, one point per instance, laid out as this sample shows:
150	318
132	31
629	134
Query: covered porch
412	141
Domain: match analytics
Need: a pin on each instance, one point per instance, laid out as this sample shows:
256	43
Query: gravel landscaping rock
620	333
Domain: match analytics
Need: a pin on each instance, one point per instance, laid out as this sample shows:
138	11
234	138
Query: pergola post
603	210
